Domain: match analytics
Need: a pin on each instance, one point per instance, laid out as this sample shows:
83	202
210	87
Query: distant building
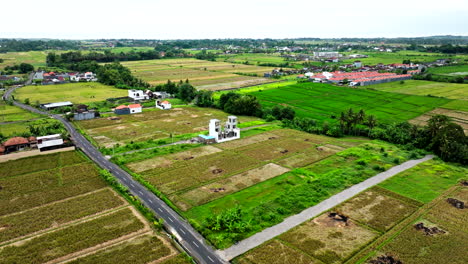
130	109
164	105
91	114
137	95
49	142
135	108
230	132
326	54
51	106
17	144
357	64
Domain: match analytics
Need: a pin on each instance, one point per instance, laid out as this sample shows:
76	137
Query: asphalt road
190	239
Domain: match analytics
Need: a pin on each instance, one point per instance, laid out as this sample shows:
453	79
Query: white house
49	142
135	108
357	64
137	95
230	132
164	105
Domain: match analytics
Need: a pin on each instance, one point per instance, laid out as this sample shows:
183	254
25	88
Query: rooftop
15	141
58	104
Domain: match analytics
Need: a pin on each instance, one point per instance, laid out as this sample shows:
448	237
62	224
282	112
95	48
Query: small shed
206	139
122	110
49	142
51	106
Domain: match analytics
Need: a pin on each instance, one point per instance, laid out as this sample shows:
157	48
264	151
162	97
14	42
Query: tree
226	97
451	144
25	68
435	123
186	92
204	98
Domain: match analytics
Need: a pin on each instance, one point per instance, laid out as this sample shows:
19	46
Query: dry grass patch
328	240
246	141
169	160
275	252
232	184
307	157
459	117
376	209
447	214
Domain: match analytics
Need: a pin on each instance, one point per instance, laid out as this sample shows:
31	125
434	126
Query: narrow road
292	221
190	239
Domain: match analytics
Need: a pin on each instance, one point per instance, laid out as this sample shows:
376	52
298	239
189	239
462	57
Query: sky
199	19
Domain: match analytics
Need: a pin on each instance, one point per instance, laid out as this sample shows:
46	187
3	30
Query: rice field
456	116
206	75
456	70
55	208
322	102
425	88
77	93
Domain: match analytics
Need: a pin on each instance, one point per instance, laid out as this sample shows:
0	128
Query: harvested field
170	161
232	184
71	239
377	208
309	156
154	125
327	239
202	74
199	172
457	116
275	252
412	246
143	249
56	214
448	215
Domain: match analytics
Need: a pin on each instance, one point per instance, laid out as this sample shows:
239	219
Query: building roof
16	141
134	106
2	149
121	107
165	102
58	104
49	136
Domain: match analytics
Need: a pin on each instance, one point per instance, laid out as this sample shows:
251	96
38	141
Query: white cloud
232	19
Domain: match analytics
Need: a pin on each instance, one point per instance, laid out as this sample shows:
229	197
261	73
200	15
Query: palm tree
371	122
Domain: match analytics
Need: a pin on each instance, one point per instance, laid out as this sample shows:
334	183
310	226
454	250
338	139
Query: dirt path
292	221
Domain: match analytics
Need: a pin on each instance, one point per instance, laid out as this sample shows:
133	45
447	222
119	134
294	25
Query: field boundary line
311	212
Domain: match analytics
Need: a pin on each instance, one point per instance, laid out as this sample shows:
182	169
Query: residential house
135	108
357	64
230	131
130	109
137	95
17	144
164	105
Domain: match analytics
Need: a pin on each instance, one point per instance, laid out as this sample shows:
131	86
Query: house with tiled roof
130	109
17	144
164	105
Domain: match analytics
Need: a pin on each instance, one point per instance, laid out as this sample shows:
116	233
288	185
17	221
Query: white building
135	108
326	54
164	105
357	64
137	95
230	132
49	142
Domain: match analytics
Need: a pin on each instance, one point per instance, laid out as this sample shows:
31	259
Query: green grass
396	57
461	105
416	87
425	181
10	113
321	101
36	58
77	93
456	70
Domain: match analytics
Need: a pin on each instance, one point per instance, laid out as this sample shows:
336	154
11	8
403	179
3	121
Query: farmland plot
55	208
205	75
323	101
154	125
456	116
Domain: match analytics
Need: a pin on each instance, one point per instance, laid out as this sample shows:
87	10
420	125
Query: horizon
274	19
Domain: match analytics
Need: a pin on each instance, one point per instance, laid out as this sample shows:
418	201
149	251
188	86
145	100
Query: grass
456	70
206	75
282	254
322	101
456	116
9	113
72	239
36	58
416	87
397	57
77	93
425	181
144	249
56	214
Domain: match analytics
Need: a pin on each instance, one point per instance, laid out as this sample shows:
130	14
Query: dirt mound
221	189
456	203
338	217
386	259
113	118
217	171
270	138
284	151
429	231
188	158
464	182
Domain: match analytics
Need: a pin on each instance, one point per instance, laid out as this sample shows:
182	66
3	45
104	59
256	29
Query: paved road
292	221
193	242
